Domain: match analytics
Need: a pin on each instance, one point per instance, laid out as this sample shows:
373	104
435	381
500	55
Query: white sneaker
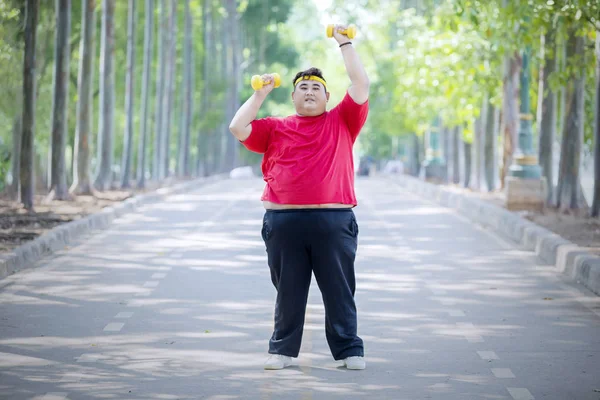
355	362
278	361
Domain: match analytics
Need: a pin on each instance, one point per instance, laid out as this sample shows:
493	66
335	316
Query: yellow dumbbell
350	31
257	81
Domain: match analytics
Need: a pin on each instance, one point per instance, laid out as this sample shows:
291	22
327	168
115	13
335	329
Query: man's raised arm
241	124
359	90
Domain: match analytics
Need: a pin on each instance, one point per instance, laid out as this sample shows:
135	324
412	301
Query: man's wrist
261	96
345	43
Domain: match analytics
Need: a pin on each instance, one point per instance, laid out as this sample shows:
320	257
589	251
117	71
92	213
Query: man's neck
308	116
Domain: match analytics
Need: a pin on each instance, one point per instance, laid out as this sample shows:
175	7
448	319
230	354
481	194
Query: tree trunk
446	132
422	152
456	155
81	168
235	75
219	33
149	28
16	157
262	45
160	88
206	148
182	99
547	116
561	49
468	162
29	91
510	112
595	211
107	97
186	97
231	43
191	123
166	112
490	146
129	96
226	70
62	54
222	135
568	191
169	90
478	150
416	161
203	138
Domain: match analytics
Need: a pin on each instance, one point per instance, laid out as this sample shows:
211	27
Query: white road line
124	315
88	358
114	327
488	355
470	335
503	373
55	396
71	377
158	275
520	394
151	284
474	339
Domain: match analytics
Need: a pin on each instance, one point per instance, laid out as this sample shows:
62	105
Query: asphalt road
175	301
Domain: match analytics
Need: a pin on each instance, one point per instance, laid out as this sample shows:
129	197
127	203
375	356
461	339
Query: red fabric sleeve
258	141
353	114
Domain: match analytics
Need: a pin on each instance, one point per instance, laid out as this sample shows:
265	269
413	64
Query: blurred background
108	95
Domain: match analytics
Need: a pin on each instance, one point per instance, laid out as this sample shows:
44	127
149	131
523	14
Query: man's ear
327	94
293	95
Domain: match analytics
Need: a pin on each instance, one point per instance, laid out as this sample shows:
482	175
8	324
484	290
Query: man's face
310	98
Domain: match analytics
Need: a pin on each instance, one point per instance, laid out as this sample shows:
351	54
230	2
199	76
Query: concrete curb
569	259
57	238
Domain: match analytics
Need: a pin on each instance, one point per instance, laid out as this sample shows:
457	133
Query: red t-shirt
308	160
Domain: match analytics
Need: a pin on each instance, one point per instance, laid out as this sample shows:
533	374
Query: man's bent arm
359	91
241	124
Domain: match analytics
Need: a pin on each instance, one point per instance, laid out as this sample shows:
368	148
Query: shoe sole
275	368
355	368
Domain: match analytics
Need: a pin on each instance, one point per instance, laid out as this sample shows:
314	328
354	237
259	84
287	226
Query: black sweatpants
300	242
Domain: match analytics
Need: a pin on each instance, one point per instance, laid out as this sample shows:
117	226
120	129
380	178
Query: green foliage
439	58
5	162
268	48
11	67
425	59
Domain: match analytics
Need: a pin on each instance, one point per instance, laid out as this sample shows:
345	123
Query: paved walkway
175	302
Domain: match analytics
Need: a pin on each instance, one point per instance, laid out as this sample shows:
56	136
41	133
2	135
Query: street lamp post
525	186
525	163
434	165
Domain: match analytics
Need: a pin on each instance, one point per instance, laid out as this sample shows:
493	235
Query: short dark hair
311	71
